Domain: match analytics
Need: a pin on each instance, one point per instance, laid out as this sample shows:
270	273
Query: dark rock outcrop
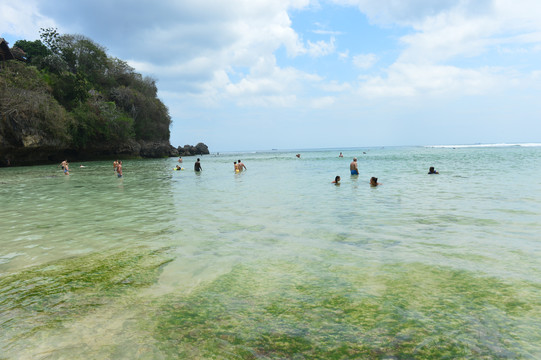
190	150
40	151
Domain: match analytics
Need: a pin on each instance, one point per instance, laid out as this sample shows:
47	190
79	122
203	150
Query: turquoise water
276	262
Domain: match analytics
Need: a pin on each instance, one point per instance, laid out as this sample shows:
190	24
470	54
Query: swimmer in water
119	169
432	170
241	166
236	166
336	180
178	168
374	182
354	167
340	155
197	166
115	165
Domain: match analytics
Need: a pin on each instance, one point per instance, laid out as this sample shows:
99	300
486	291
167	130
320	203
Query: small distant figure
298	155
115	166
374	181
119	169
340	155
236	166
180	159
336	180
65	167
197	166
432	170
241	166
82	166
354	167
178	168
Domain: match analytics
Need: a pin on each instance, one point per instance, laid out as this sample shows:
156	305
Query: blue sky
263	74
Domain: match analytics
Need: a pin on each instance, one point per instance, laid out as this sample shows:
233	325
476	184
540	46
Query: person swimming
354	167
374	182
236	166
336	180
432	170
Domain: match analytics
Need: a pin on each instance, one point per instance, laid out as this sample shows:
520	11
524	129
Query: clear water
275	262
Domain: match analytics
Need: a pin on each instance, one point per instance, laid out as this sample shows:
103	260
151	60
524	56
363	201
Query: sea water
276	261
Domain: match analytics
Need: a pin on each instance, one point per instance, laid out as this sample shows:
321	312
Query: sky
242	75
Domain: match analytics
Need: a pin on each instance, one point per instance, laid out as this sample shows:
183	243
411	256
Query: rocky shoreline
32	153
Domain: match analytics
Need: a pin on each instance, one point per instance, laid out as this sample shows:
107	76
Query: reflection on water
275	262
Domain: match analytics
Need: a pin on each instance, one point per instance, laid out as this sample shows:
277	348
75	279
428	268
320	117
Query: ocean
276	262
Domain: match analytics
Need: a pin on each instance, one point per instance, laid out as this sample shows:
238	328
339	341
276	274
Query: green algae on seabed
404	311
44	297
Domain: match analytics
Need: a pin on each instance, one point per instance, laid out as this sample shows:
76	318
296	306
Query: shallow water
275	262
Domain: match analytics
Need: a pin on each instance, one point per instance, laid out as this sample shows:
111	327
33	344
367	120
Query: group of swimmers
239	166
354	169
117	167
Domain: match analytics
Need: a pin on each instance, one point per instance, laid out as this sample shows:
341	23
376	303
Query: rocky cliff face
34	150
190	150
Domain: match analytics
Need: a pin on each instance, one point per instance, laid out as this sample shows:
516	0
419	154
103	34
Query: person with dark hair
336	180
432	170
374	182
197	166
241	166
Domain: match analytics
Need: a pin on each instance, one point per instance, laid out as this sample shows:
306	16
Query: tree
34	51
50	38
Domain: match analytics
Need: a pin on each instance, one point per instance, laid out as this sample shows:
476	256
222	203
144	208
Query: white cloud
365	61
22	19
321	48
409	80
322	102
269	85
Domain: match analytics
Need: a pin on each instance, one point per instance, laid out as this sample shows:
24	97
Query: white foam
484	145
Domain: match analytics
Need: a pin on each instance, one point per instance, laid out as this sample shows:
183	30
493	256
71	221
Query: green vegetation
48	296
414	311
65	91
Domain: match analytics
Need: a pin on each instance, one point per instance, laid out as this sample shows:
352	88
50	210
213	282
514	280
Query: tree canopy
96	99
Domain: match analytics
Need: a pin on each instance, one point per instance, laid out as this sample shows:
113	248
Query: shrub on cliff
29	114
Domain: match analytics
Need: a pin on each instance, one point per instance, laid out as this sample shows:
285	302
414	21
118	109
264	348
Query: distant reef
65	98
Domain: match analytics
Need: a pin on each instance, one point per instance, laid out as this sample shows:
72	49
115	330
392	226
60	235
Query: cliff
57	103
